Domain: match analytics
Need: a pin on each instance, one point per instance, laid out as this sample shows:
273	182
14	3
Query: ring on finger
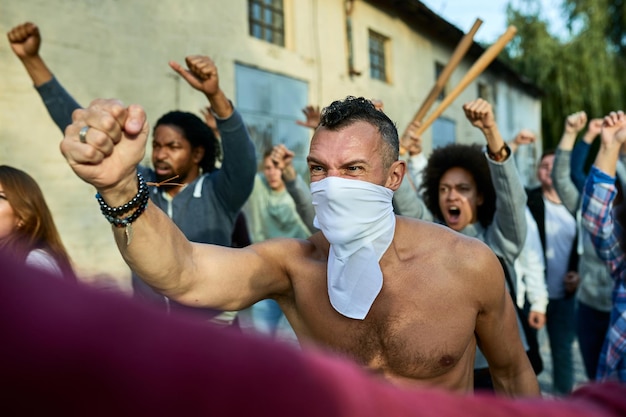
82	135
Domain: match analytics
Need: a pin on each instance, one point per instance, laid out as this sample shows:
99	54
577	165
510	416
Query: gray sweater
596	284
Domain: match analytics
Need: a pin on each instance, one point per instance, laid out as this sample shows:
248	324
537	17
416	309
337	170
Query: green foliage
579	70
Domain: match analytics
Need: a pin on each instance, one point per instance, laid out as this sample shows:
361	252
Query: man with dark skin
408	299
203	202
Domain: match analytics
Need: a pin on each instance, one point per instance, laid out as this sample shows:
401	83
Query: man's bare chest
408	337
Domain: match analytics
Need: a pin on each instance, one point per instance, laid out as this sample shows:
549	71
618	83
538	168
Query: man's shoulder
425	234
457	259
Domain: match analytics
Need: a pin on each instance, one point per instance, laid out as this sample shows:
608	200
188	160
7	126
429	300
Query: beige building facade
121	49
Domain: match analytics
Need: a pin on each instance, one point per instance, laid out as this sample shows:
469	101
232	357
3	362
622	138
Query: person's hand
536	320
201	74
480	114
312	114
25	40
283	160
378	104
410	141
571	281
575	122
524	137
593	130
614	128
113	146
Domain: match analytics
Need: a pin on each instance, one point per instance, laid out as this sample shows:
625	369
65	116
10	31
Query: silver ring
82	135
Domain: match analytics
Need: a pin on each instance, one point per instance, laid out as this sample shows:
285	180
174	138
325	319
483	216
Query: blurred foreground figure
75	351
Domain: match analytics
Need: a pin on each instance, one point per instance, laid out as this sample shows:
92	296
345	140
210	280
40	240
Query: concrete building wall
121	49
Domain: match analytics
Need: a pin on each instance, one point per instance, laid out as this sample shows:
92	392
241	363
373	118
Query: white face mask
357	219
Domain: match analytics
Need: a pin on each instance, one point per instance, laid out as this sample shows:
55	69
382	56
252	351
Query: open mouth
162	169
454	213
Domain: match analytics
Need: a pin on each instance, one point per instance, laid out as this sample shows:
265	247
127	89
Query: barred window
377	44
267	20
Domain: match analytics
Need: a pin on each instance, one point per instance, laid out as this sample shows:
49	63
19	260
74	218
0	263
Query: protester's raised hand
283	159
410	139
111	145
575	122
281	156
378	104
25	40
593	130
312	114
201	73
524	137
614	128
480	114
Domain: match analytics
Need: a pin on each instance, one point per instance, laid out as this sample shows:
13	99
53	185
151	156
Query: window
444	132
483	91
439	67
377	45
267	20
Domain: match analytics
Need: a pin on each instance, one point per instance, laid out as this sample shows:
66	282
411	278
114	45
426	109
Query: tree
579	70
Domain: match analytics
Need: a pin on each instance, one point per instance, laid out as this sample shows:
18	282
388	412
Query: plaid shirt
597	210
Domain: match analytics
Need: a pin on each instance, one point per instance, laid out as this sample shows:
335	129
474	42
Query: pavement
545	377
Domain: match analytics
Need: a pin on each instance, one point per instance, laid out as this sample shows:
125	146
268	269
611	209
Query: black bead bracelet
141	196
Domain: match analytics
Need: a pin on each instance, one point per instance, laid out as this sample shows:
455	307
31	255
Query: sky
463	14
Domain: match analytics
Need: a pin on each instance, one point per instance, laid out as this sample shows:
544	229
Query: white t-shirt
560	228
530	269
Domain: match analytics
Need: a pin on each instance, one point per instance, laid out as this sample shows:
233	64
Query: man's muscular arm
497	330
193	274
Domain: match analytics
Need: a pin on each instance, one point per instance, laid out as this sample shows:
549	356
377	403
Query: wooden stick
479	66
455	59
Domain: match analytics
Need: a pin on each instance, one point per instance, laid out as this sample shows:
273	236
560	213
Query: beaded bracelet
141	196
139	202
126	221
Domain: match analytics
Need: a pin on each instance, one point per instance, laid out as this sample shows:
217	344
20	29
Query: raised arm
296	187
561	172
600	192
235	179
411	143
523	137
25	41
509	234
105	155
312	115
581	151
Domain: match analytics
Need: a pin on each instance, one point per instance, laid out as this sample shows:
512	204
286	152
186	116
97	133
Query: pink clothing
67	350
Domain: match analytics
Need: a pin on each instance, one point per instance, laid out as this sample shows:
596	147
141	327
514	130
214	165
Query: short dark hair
197	133
472	159
342	113
547	152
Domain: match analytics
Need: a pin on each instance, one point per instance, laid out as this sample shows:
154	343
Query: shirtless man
409	299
